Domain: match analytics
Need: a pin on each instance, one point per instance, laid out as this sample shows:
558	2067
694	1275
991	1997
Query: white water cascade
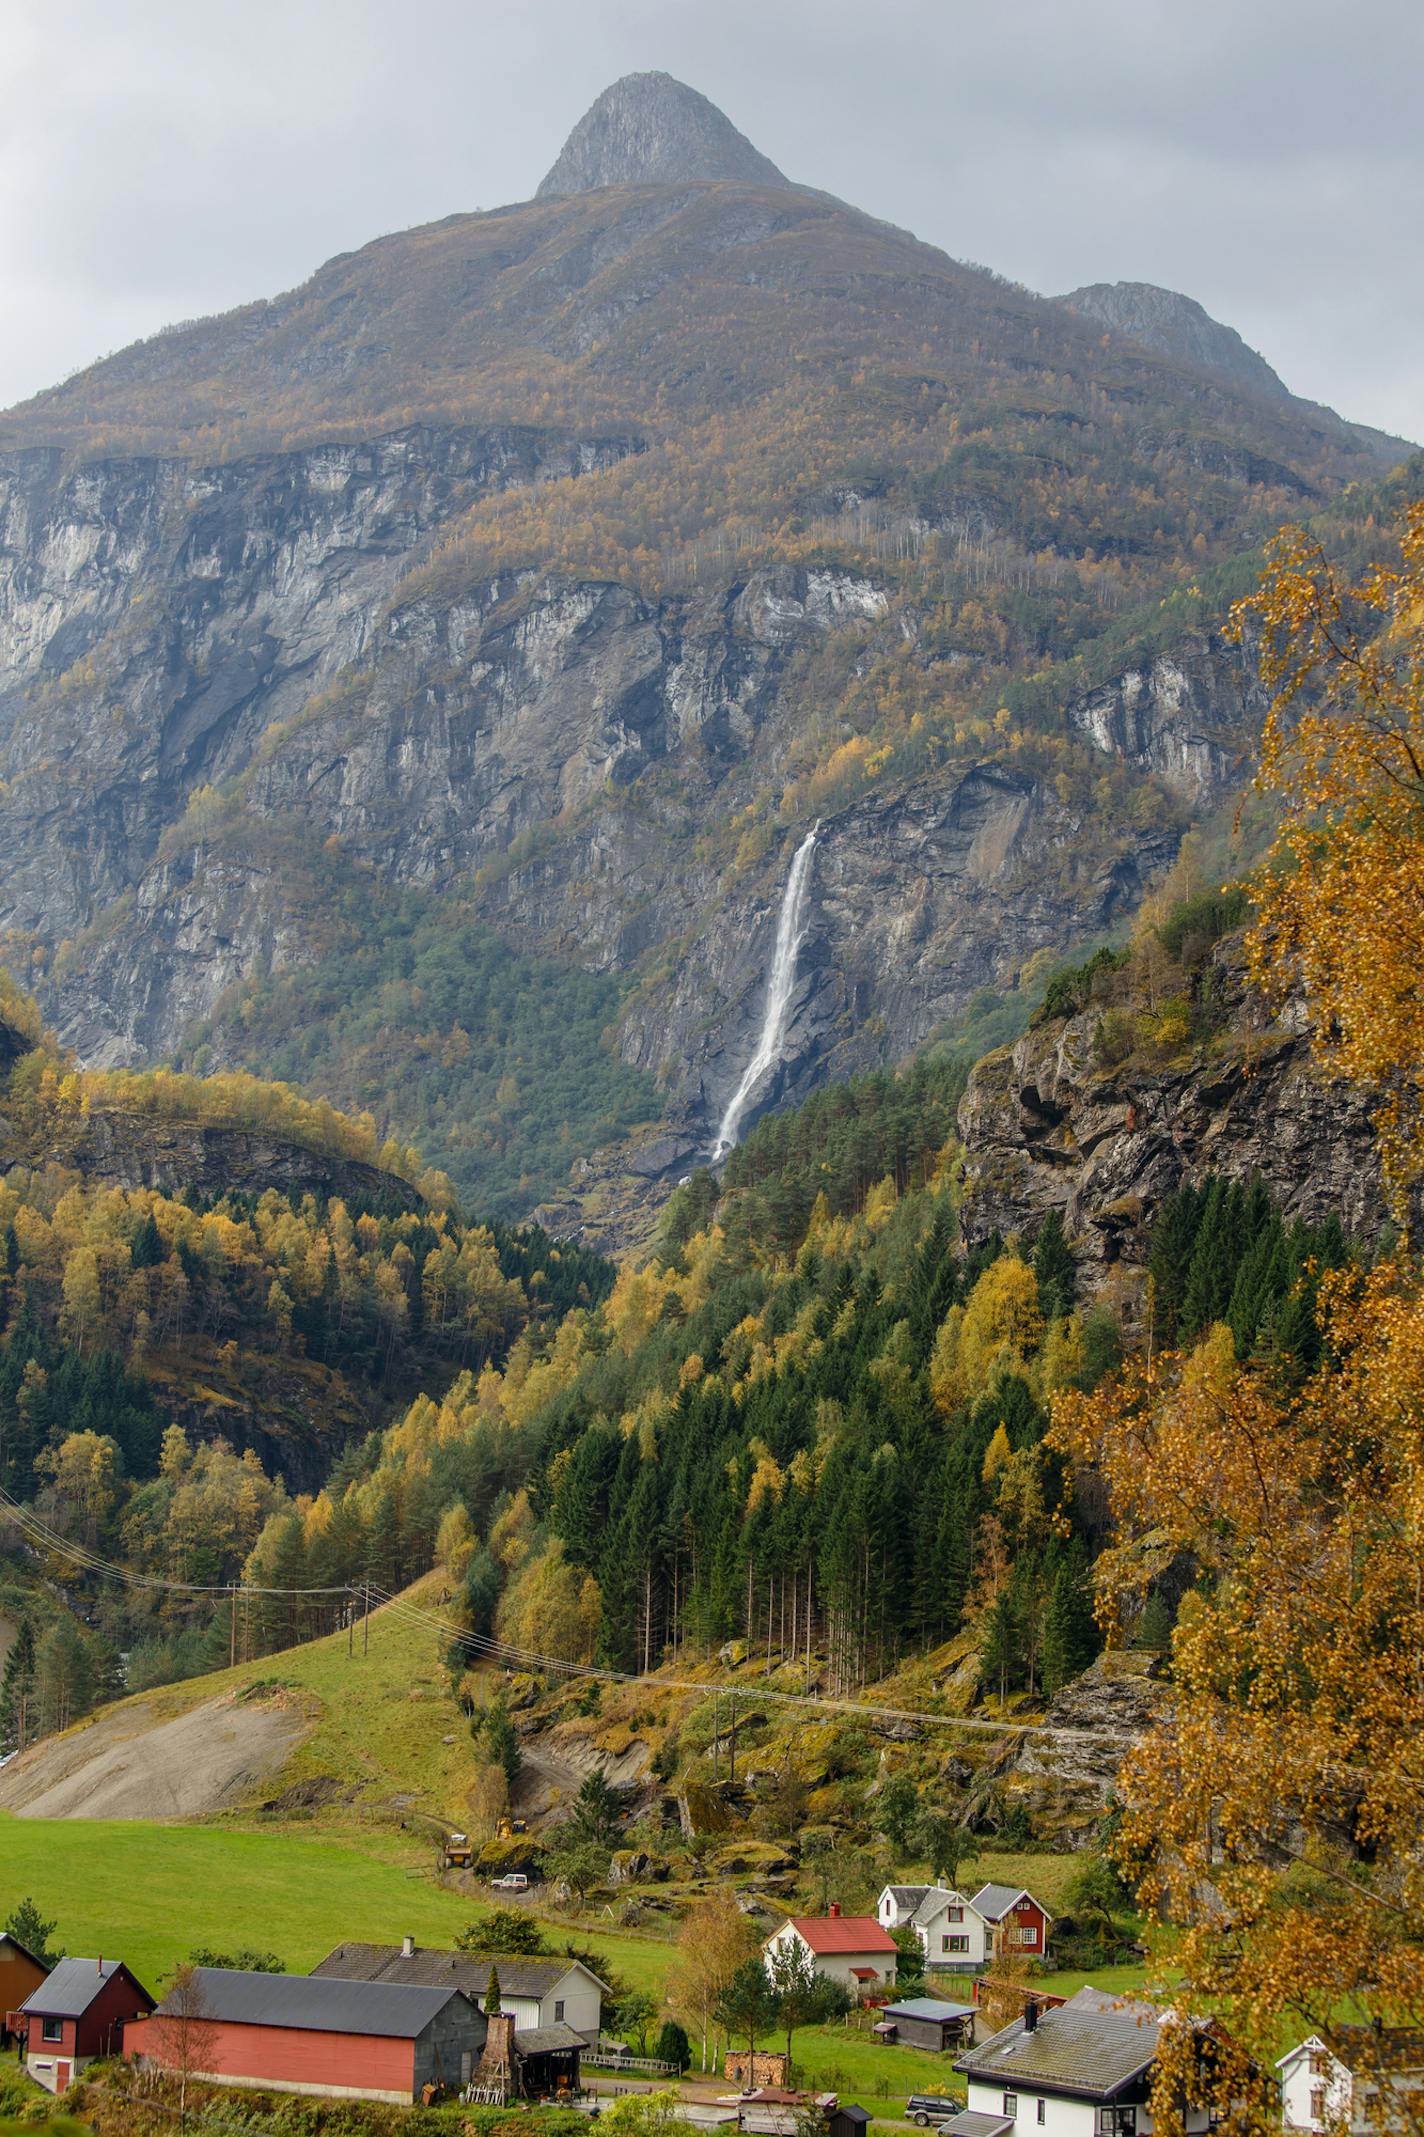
790	934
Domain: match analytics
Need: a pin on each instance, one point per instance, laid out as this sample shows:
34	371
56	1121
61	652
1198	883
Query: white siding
582	2001
836	1966
1061	2118
969	1937
1316	2089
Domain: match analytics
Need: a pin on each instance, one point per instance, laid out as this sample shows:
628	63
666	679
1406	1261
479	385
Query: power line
527	1658
43	1537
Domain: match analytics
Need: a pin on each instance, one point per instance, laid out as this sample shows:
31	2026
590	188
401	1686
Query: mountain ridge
650	129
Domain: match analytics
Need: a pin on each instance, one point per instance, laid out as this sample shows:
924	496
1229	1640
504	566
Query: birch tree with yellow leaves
1275	1819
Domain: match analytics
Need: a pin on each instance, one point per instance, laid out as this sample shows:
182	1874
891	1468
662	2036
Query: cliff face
649	129
1046	1125
1176	326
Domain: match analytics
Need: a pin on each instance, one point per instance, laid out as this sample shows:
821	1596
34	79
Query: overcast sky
164	158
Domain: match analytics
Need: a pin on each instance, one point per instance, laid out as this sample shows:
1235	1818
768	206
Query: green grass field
149	1893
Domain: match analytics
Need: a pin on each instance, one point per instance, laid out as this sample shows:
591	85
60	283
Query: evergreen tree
1054	1268
17	1690
1070	1633
29	1927
492	1994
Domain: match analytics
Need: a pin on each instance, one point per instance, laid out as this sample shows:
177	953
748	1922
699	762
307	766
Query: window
956	1914
956	1944
1011	2104
559	2011
1042	2110
52	2029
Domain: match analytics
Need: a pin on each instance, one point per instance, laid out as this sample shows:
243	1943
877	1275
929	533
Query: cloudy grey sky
164	158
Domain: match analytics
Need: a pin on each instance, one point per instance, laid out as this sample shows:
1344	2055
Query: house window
559	2012
956	1944
956	1914
1042	2108
52	2029
1011	2104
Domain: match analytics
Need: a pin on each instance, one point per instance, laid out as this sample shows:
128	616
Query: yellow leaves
996	1331
1342	899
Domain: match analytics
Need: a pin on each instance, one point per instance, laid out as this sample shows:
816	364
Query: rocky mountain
1177	327
1103	1112
548	573
648	129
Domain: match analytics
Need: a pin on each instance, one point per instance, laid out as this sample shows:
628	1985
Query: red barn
303	2033
1018	1926
78	2011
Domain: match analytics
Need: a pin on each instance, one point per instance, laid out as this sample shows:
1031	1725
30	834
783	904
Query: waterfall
790	934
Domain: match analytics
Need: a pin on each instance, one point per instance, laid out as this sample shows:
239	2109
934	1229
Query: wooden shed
927	2022
20	1975
848	2120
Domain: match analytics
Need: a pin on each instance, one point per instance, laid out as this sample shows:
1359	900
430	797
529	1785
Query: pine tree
1070	1633
1054	1268
17	1690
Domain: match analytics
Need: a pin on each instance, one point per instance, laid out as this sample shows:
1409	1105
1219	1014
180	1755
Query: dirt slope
128	1764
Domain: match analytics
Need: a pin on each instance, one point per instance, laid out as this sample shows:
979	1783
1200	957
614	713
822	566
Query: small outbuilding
927	2022
81	2010
20	1975
848	2121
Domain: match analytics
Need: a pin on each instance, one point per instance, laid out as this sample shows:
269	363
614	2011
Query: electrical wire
527	1658
44	1538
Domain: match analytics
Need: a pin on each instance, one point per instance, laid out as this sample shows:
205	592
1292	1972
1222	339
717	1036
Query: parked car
516	1881
926	2108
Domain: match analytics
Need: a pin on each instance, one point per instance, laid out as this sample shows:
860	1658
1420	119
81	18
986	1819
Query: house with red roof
850	1948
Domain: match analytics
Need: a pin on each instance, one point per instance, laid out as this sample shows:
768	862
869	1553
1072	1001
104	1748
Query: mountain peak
649	129
1177	327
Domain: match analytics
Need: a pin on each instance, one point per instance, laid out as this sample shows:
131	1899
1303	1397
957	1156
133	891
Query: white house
1323	2091
853	1949
897	1904
952	1931
535	1993
1083	2069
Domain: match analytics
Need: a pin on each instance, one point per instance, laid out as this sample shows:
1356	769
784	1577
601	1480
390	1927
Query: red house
308	2033
77	2012
1018	1926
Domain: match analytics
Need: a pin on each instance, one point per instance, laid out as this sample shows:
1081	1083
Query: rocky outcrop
1048	1124
649	129
1177	327
1185	716
1066	1781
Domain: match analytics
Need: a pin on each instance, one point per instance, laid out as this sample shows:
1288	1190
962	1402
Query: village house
850	1948
952	1931
1323	2091
1083	2069
536	1993
80	2010
898	1905
20	1975
1017	1925
345	2040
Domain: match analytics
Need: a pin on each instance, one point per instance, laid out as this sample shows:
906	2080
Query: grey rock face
649	129
1045	1126
1183	716
1176	326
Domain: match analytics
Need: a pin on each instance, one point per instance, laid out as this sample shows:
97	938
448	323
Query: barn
349	2040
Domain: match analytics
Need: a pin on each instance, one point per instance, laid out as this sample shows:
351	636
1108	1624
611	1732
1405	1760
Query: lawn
149	1893
841	2059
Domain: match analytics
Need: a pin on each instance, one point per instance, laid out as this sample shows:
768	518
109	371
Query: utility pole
732	1739
716	1704
350	1624
231	1624
366	1623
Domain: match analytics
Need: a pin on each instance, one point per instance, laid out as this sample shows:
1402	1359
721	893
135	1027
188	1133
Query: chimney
835	1910
1031	2015
407	1947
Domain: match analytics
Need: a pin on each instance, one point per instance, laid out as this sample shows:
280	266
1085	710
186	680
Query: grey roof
933	1899
929	2007
994	1901
971	2123
908	1895
547	2040
469	1971
854	2113
392	2010
1082	2049
69	1990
